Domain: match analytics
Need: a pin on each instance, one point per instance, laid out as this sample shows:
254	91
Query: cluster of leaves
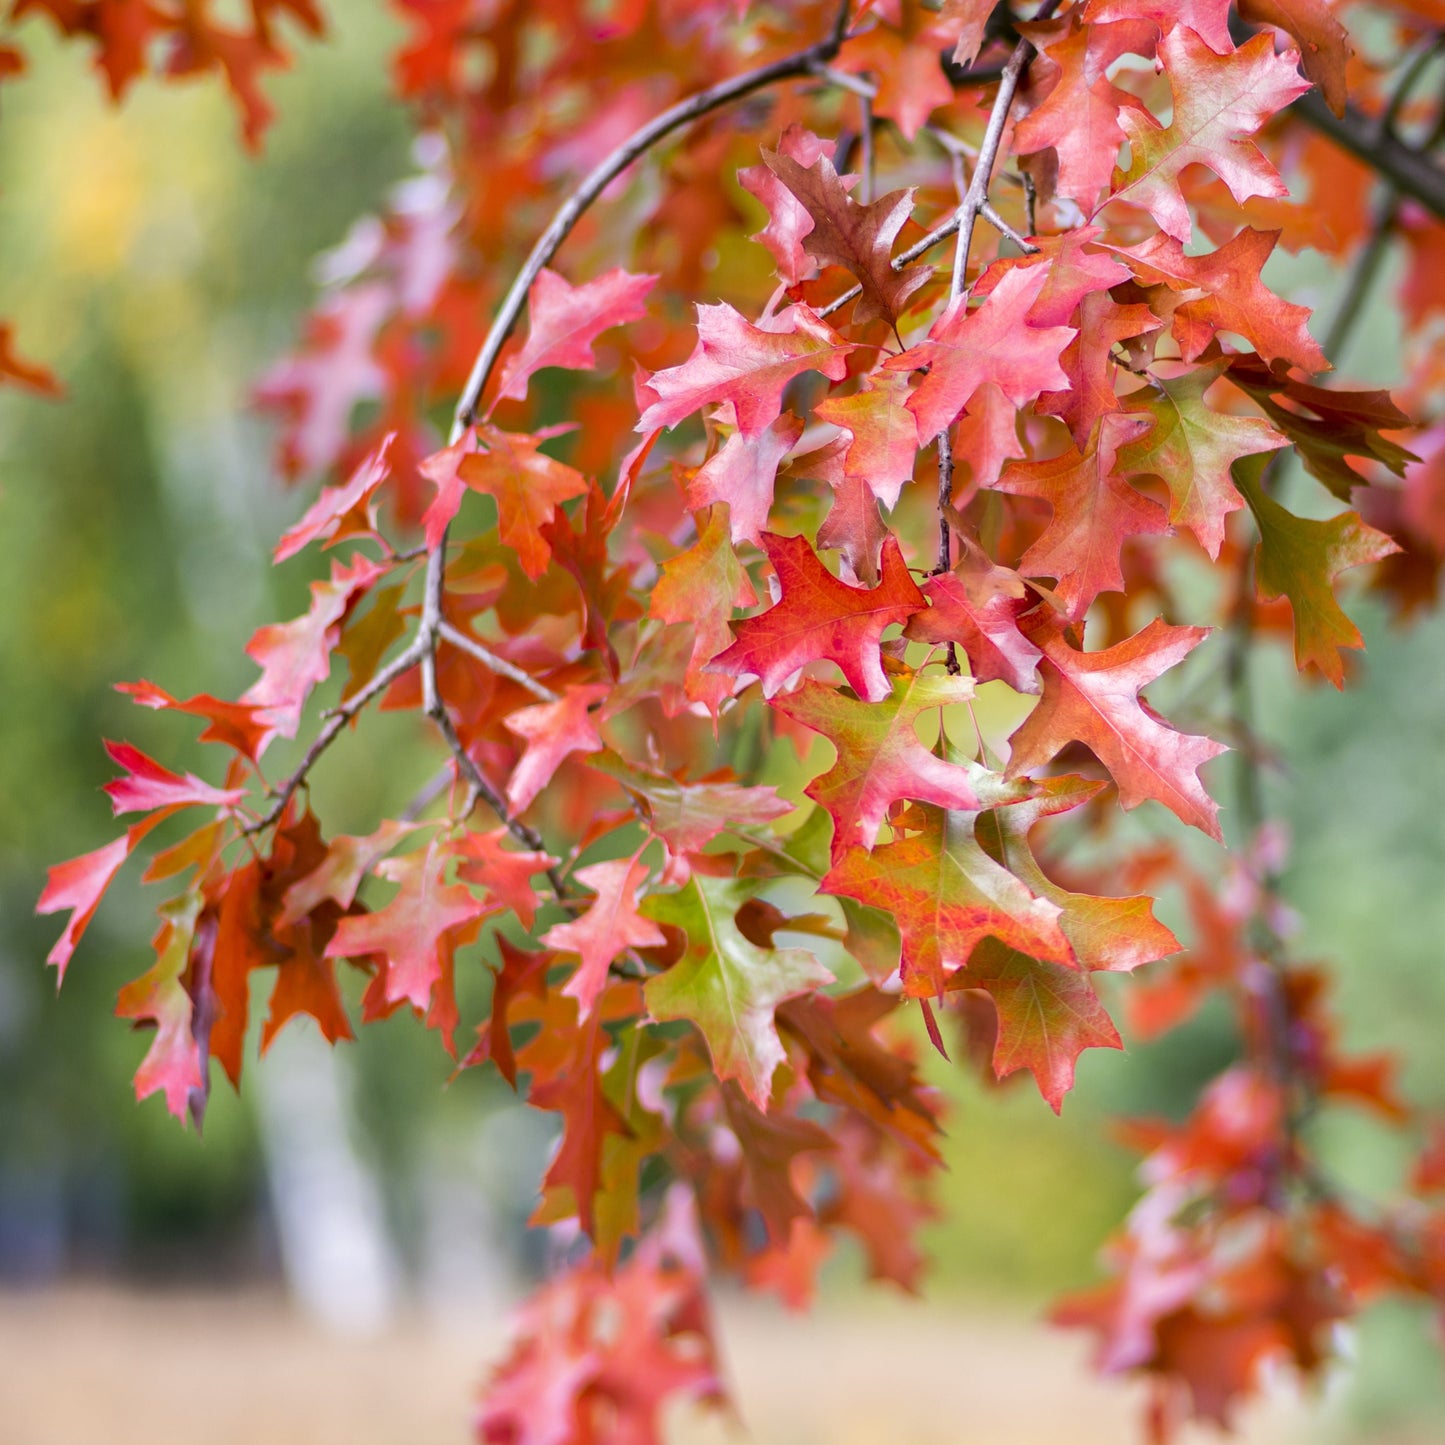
834	505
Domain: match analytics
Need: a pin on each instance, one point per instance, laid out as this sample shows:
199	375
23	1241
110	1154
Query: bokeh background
154	1285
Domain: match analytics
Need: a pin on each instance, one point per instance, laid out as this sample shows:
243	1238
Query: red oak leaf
880	758
819	617
588	1117
1089	362
567	319
327	514
295	656
1095	511
1047	1015
788	221
882	434
521	973
505	873
746	365
1079	116
1219	101
79	884
742	474
551	731
993	343
1236	298
858	237
337	876
148	786
527	485
609	927
1207	18
235	724
986	436
978	606
406	933
158	999
1093	698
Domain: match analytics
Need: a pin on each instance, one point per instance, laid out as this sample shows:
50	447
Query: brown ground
101	1366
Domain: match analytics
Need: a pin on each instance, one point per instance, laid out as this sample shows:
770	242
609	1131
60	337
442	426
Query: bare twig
495	663
977	197
1410	171
601	176
1002	226
331	729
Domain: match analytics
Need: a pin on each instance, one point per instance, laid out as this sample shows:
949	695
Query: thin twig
601	176
464	642
1002	226
945	532
331	729
977	197
917	249
870	156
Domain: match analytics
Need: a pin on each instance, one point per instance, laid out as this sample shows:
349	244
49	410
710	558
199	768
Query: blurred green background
158	269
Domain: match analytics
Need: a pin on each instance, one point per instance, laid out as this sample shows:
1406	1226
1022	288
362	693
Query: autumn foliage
995	397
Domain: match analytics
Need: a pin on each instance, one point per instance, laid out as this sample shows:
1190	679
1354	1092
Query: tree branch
332	728
977	197
1410	171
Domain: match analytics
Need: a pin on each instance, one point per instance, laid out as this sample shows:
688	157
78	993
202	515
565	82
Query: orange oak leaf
552	731
527	485
505	873
947	894
235	724
819	617
1095	511
1235	297
1324	44
1093	698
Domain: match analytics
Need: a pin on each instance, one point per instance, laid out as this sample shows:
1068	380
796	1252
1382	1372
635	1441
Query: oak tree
906	349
